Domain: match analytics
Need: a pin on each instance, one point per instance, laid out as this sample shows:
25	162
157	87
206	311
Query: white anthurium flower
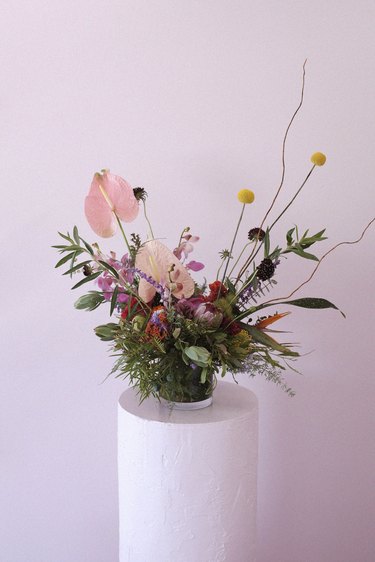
158	262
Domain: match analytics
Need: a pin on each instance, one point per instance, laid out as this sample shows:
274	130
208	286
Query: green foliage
298	245
91	301
107	332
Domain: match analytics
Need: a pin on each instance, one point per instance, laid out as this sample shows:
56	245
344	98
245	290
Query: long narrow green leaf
76	267
88	247
109	268
75	235
75	248
113	300
261	337
266	243
72	261
66	237
312	302
64	259
306	302
300	252
87	279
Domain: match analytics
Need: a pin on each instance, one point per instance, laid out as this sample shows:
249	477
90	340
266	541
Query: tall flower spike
109	197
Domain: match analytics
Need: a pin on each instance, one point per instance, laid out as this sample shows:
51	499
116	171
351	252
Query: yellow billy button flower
245	196
318	159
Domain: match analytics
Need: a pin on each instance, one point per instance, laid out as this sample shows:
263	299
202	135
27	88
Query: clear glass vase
183	390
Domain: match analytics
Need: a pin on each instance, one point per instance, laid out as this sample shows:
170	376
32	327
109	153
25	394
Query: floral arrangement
172	337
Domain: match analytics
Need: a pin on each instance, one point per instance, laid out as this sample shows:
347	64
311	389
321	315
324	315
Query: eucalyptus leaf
199	355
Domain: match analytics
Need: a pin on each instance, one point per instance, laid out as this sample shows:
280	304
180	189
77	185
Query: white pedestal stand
187	480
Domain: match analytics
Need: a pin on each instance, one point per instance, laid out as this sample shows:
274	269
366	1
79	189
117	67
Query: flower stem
256	248
147	219
233	241
248	261
239	257
123	232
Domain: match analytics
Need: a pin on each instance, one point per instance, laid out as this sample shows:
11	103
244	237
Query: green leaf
230	285
113	300
263	338
107	332
307	241
74	248
109	268
312	302
204	375
303	254
199	355
64	259
87	246
91	301
87	279
76	267
66	237
266	243
75	235
289	236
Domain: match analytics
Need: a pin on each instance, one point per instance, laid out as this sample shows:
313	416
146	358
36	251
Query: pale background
189	99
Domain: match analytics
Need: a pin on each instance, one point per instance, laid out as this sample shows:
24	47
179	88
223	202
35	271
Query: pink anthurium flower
109	196
158	262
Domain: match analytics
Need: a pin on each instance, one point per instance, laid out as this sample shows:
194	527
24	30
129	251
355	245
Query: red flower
215	288
131	307
231	327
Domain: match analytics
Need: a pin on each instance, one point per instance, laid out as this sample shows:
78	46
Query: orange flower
270	320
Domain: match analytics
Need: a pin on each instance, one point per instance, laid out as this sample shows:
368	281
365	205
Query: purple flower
187	307
186	246
194	265
206	313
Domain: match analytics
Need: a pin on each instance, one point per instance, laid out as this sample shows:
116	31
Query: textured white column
187	480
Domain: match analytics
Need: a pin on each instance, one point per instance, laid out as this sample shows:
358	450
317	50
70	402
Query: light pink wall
189	99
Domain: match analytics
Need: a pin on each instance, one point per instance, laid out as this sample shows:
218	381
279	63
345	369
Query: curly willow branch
248	261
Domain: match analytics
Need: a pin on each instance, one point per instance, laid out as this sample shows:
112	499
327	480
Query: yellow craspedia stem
245	196
318	158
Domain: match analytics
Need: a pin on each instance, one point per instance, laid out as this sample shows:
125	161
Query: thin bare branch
248	261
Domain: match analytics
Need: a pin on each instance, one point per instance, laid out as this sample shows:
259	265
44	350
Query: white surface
187	480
